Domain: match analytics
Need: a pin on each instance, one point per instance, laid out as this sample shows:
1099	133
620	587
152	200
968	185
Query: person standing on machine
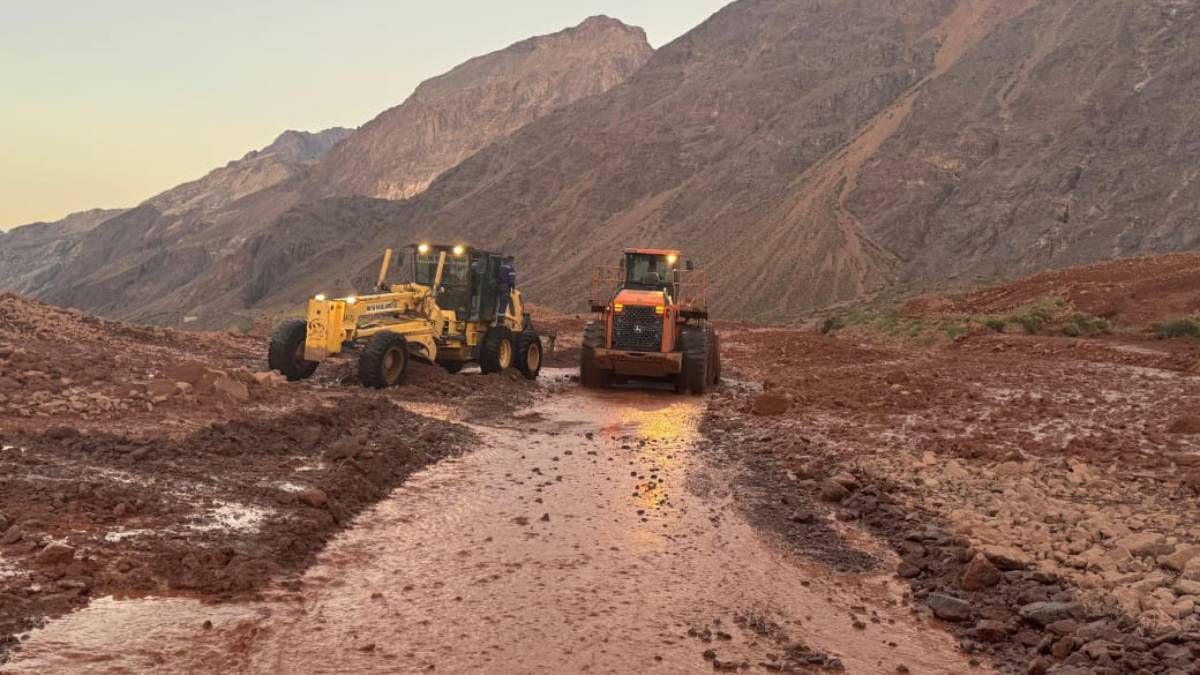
506	282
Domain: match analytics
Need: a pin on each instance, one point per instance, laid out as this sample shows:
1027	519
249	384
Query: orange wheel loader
651	324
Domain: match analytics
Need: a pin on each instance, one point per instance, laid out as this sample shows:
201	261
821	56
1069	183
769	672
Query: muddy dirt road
585	535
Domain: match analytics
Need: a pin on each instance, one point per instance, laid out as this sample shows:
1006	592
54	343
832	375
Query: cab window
647	271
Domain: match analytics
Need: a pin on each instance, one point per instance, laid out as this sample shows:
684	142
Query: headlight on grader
351	300
319	297
423	248
459	250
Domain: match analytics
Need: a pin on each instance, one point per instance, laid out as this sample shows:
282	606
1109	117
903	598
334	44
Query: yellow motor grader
447	316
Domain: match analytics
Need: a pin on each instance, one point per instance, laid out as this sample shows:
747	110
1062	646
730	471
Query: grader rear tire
496	353
529	354
286	351
384	362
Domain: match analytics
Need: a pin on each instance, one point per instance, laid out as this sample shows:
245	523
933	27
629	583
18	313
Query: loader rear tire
497	351
529	353
697	356
384	362
590	373
286	351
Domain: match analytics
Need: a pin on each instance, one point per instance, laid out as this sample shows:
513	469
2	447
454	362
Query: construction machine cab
468	287
649	269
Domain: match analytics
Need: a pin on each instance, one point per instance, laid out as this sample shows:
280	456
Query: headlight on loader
319	297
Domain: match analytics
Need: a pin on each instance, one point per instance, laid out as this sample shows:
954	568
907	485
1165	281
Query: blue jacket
506	275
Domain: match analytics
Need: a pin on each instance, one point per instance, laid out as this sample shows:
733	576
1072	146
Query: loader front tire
384	362
697	357
496	353
590	373
286	351
529	353
714	356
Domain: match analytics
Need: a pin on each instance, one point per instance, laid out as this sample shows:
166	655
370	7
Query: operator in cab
506	282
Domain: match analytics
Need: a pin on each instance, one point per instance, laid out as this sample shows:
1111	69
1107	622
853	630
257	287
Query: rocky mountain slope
805	153
705	148
138	265
1068	135
31	253
452	116
808	153
286	158
35	259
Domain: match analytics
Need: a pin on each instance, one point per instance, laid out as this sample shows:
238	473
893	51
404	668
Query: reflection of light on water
663	434
667	424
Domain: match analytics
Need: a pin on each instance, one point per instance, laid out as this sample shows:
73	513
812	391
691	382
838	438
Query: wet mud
586	534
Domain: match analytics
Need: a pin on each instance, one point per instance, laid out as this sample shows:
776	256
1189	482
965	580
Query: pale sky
106	103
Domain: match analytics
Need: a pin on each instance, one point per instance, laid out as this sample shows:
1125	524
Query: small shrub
955	331
831	325
1028	322
998	325
1174	328
1086	324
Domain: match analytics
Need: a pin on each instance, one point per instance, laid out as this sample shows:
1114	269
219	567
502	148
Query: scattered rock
12	535
55	554
1178	560
1007	558
231	389
771	403
907	570
312	497
270	378
1143	544
948	607
980	574
846	480
1046	613
833	492
989	630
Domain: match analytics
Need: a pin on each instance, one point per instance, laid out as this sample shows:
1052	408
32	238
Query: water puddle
596	543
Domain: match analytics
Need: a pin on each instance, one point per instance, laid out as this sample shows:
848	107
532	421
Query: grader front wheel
286	351
384	362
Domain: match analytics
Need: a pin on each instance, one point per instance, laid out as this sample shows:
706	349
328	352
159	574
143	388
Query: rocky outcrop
450	117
